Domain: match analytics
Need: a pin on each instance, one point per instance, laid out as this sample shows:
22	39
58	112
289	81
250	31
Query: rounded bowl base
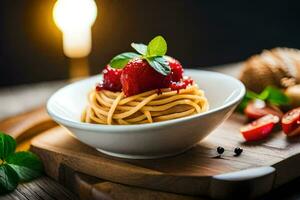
139	157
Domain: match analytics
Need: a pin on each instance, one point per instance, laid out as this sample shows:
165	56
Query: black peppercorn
220	150
238	151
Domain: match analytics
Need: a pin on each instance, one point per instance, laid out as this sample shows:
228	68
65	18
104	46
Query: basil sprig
270	95
122	59
157	47
141	48
16	167
154	53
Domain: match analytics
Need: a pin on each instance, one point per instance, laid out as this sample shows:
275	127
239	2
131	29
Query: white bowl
159	139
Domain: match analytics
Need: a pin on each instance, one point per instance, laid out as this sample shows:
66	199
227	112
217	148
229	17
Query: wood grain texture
43	188
188	173
27	124
88	187
23	127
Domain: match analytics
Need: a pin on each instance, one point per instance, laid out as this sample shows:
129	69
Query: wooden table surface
15	100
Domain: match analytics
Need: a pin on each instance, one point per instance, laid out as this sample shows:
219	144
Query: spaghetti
106	107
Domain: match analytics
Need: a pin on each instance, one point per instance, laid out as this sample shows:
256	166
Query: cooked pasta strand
106	107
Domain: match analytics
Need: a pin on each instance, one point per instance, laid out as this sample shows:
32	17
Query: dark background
199	33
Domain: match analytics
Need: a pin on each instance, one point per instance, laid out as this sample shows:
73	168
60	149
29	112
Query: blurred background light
199	33
75	19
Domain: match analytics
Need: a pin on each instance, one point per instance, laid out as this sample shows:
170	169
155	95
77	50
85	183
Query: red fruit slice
295	131
260	128
138	76
111	79
291	122
258	108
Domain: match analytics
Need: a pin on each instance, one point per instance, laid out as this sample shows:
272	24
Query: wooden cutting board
262	166
26	126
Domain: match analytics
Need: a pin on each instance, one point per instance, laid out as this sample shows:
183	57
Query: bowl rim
111	128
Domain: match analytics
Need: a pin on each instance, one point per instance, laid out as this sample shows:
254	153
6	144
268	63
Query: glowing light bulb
75	19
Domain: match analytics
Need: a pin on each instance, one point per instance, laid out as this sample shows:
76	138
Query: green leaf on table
26	164
242	105
7	145
119	61
160	64
252	95
274	96
248	97
157	47
270	94
8	179
141	48
15	167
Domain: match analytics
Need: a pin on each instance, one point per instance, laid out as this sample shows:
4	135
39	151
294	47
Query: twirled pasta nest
106	107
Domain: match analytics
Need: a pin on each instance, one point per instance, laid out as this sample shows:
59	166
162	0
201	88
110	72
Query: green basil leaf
248	97
121	60
157	47
164	62
26	164
8	179
270	94
7	145
264	95
160	64
274	96
252	95
141	48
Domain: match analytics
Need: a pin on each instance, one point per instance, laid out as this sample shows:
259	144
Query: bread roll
278	67
293	93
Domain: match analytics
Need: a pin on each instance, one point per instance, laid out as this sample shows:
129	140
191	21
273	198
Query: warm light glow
75	19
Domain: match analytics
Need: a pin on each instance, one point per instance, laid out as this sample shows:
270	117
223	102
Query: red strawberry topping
111	79
176	69
138	76
181	84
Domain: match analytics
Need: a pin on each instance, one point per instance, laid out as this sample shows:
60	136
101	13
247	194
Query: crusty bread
278	67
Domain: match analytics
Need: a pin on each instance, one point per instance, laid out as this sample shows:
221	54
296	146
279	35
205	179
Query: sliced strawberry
260	128
296	131
258	108
111	79
138	76
291	122
176	69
